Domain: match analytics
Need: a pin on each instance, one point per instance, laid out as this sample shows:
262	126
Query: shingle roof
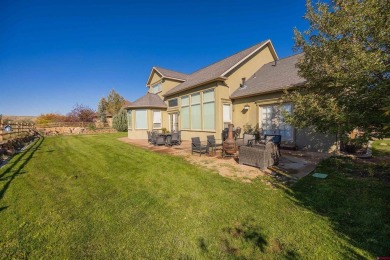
171	73
148	101
127	103
272	76
215	70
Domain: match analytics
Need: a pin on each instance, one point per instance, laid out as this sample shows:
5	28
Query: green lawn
96	197
381	147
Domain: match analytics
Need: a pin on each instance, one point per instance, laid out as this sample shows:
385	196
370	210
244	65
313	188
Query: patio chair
160	139
153	137
149	137
176	138
197	146
211	142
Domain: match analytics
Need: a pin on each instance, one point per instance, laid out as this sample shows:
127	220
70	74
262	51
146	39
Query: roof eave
133	107
166	77
197	85
270	91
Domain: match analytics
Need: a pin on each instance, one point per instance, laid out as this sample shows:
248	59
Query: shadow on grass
355	203
246	240
15	169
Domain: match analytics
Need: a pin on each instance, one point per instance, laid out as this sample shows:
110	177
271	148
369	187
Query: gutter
270	91
194	86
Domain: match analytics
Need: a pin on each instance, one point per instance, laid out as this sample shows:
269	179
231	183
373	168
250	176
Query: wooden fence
15	130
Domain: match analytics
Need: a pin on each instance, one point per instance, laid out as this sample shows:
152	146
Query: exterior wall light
246	107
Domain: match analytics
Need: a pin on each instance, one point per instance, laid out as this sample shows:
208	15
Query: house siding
248	68
304	139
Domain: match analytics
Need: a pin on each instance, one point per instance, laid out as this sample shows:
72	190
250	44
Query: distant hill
20	118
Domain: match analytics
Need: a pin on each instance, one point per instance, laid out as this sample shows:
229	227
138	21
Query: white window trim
189	112
135	114
207	102
231	114
200	113
156	84
155	122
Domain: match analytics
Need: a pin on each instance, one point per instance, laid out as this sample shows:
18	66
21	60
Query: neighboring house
244	88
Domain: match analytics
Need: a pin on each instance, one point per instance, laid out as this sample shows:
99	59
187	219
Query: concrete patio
293	165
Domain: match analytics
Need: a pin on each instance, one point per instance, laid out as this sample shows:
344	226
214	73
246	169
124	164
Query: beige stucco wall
248	68
141	133
155	78
166	84
304	139
251	116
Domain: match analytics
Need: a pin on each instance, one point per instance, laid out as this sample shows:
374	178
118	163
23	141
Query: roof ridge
259	43
158	67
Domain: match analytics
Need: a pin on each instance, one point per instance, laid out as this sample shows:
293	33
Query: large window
156	88
227	115
185	112
196	107
129	120
156	119
195	112
208	110
272	121
141	119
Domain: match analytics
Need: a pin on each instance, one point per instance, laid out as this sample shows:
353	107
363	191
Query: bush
119	121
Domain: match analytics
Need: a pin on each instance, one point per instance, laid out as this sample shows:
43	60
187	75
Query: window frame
159	84
146	119
197	104
203	110
155	112
181	112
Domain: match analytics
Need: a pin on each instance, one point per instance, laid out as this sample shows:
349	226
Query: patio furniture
158	139
175	138
259	155
197	146
211	142
247	140
276	139
149	137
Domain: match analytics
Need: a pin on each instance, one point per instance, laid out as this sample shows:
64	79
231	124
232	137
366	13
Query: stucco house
244	88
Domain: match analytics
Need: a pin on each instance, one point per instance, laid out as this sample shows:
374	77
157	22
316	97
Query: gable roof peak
220	69
167	73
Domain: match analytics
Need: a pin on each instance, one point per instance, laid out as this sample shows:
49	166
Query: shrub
119	121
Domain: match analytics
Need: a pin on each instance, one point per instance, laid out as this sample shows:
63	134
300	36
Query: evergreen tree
102	110
119	121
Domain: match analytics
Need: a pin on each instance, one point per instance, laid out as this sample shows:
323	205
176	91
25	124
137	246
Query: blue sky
55	54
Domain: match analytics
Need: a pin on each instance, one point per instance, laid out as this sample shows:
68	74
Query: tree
119	121
346	65
114	102
102	109
50	118
81	113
